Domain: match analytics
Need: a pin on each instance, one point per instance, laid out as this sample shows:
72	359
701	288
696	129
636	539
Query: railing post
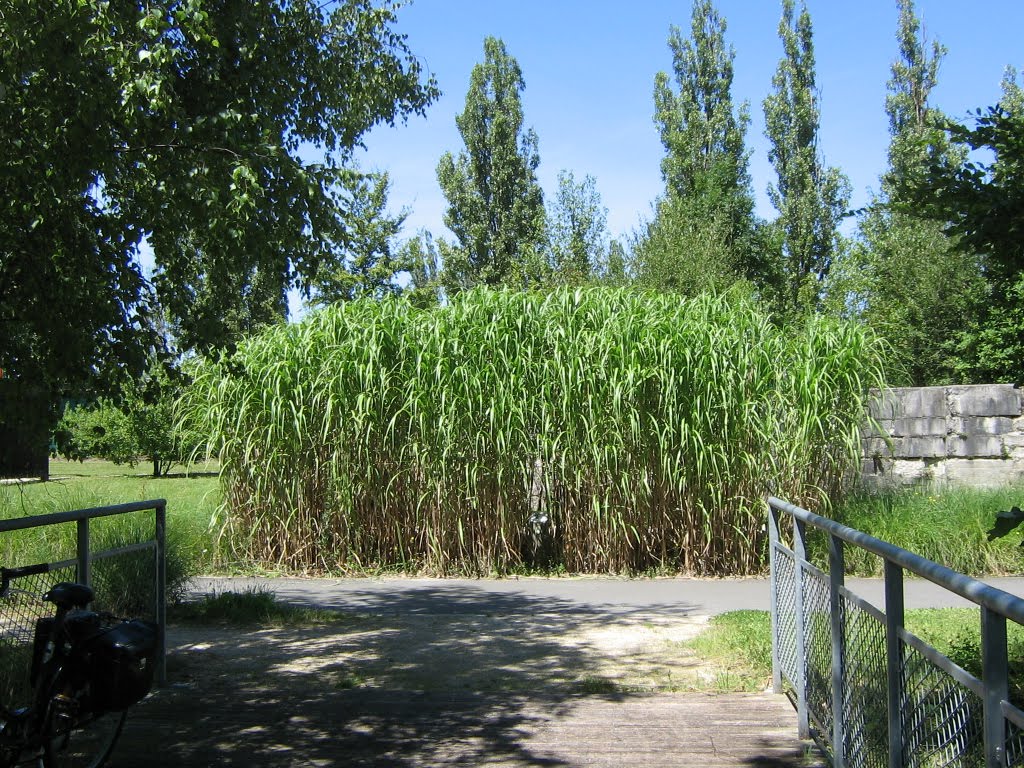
82	554
161	591
995	671
894	660
837	568
773	540
800	552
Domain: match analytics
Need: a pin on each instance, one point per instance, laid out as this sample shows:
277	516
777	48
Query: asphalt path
612	596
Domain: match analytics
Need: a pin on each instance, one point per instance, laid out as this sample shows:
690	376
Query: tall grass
601	430
947	525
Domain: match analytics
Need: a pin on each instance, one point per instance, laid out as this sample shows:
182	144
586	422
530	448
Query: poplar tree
811	198
701	235
904	276
495	204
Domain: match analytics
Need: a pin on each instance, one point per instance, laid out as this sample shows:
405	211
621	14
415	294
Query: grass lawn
192	499
738	645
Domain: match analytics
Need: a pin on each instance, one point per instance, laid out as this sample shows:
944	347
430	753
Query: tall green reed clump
603	430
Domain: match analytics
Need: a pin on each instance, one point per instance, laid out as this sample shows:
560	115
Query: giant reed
599	430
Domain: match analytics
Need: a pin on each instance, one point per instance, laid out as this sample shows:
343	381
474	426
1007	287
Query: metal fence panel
127	579
850	670
864	695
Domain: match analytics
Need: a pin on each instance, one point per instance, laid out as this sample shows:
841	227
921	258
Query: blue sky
589	69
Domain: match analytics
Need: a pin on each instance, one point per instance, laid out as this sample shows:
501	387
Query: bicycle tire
86	746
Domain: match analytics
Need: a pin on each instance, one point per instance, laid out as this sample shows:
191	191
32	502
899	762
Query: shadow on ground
444	676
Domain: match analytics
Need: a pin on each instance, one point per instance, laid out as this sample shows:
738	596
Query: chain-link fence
870	693
127	575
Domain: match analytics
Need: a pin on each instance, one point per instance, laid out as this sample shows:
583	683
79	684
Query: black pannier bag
120	661
44	629
79	626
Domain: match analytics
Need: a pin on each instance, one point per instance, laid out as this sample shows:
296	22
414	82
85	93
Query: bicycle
87	668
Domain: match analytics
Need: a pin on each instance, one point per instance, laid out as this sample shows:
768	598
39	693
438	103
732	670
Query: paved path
614	596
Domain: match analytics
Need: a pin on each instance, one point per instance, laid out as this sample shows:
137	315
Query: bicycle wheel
86	746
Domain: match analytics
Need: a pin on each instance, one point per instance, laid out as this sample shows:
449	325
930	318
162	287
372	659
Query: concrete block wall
961	435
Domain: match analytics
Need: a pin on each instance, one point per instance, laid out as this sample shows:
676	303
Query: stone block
908	472
1013	445
986	400
922	447
981	425
979	446
877	446
919	427
885	405
923	402
983	473
872	427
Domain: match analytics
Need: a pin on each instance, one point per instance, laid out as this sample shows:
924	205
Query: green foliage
139	424
419	258
597	430
369	265
495	205
102	430
906	281
981	205
904	277
810	197
181	123
702	233
226	301
577	230
615	271
914	124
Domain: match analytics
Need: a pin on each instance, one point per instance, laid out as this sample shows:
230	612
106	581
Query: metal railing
867	690
128	579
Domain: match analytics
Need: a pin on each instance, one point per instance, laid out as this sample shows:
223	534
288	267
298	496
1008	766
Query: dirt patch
448	653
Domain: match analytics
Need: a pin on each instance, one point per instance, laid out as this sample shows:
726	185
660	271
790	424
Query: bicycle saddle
69	595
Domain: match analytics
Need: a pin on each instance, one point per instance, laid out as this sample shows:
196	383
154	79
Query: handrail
974	590
825	686
54	518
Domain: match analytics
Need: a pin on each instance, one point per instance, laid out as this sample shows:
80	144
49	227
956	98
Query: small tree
141	424
577	227
368	264
701	235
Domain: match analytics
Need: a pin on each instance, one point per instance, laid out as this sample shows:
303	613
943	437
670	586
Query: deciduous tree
577	230
981	203
495	205
702	231
369	263
810	197
179	123
904	277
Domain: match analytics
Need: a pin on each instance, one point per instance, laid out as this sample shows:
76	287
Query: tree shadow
444	675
